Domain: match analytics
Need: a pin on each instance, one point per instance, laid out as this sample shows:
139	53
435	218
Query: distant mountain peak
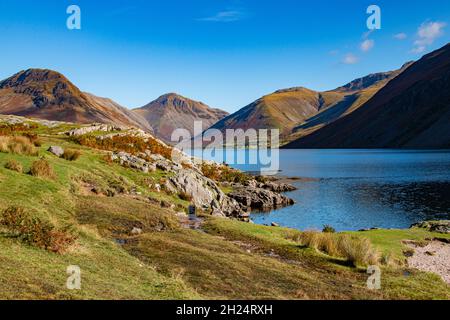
372	79
45	87
175	99
32	75
49	95
172	111
365	82
293	89
407	65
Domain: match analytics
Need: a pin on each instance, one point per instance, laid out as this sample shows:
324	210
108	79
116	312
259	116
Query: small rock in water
274	224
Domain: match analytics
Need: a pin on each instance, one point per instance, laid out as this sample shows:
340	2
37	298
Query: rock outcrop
56	150
252	198
271	186
205	193
128	160
96	127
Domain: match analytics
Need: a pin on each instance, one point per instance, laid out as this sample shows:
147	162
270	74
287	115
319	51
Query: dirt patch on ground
433	257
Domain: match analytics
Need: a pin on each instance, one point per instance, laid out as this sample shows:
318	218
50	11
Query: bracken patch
35	232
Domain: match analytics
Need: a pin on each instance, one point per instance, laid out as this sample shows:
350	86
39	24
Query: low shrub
71	155
17	145
35	232
130	144
107	159
328	229
41	168
10	129
14	166
224	174
37	143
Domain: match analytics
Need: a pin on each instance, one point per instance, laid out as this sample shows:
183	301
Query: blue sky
224	53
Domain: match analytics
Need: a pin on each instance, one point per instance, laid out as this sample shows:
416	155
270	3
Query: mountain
353	95
300	111
283	109
411	111
172	111
47	94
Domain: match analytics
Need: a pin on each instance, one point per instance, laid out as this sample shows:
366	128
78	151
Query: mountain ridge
298	111
47	94
411	111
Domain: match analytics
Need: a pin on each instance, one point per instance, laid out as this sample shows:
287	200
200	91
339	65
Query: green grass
109	272
398	282
391	241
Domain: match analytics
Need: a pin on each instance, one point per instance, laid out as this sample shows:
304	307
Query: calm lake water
357	189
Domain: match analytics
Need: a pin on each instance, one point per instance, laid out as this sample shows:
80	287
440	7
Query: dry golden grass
128	144
356	250
14	166
17	145
41	168
71	155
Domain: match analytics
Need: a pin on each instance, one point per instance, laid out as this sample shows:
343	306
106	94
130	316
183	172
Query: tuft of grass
35	232
17	145
41	168
14	166
34	138
71	154
356	250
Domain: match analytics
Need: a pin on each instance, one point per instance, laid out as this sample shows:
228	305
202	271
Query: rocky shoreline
188	179
262	196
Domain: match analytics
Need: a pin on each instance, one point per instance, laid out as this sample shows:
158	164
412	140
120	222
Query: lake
358	189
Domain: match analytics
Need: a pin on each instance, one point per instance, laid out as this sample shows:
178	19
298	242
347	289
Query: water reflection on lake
356	189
